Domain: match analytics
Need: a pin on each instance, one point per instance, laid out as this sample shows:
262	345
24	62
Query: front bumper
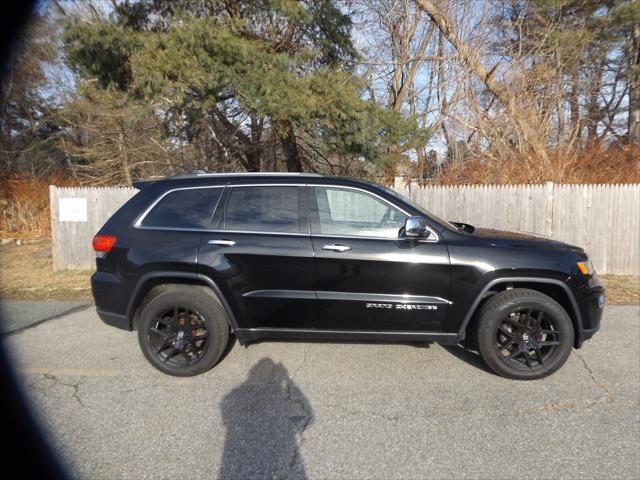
591	299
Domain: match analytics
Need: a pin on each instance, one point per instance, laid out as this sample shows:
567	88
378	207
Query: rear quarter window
189	208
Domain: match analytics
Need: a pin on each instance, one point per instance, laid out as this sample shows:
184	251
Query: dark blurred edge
25	445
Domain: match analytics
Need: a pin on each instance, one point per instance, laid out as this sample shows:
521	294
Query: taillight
104	243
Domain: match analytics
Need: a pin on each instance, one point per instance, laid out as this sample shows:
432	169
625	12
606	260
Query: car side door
260	255
367	277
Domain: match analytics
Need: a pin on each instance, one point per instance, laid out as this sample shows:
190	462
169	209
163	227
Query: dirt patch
26	273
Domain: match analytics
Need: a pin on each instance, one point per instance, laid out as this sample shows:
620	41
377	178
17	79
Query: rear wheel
523	334
183	330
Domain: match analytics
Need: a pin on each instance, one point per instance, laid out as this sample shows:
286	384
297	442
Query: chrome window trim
435	238
138	222
259	232
140	219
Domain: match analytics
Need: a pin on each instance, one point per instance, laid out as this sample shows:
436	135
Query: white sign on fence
72	209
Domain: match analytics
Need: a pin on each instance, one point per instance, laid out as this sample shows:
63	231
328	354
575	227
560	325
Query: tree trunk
124	152
471	60
290	148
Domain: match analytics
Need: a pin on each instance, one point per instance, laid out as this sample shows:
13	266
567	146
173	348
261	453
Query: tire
523	334
183	330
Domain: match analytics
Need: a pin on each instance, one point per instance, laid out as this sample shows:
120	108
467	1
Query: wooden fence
76	216
604	219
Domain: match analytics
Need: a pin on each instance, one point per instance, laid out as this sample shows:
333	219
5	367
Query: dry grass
621	289
24	206
26	273
597	163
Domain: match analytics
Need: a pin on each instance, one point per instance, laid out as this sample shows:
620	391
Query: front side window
190	209
355	213
263	209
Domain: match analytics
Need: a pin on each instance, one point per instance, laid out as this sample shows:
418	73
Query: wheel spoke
204	336
186	356
527	359
174	351
163	347
515	324
527	318
514	353
538	321
539	355
548	344
164	321
550	332
159	332
505	332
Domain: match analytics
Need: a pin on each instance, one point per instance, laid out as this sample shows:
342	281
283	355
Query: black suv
192	258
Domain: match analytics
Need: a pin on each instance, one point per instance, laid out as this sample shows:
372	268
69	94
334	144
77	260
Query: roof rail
202	173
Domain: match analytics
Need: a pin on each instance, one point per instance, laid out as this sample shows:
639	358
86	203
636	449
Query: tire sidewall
214	318
494	313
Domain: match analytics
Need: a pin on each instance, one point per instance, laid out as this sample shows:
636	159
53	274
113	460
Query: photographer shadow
265	418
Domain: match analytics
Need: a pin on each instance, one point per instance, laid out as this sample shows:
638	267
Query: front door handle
226	243
336	248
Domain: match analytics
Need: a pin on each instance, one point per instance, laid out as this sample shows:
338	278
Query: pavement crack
75	386
607	397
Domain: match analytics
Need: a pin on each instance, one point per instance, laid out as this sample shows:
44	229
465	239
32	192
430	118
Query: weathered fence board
604	219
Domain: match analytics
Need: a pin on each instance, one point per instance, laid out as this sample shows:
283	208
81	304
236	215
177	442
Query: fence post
53	206
548	205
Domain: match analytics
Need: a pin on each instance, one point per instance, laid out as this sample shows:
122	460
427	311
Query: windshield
441	221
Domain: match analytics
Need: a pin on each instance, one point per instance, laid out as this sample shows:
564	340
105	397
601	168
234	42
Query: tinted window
190	208
351	212
263	209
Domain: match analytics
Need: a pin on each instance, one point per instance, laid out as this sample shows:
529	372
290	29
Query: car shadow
465	354
469	356
265	418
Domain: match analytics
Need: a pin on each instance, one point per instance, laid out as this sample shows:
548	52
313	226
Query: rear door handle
226	243
336	248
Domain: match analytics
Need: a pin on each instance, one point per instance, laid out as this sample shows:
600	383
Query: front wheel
183	330
523	334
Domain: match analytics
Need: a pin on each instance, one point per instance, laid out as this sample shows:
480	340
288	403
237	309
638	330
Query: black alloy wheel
523	334
179	336
183	329
526	338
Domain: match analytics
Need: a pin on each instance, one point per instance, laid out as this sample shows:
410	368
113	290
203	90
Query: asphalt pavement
330	409
17	315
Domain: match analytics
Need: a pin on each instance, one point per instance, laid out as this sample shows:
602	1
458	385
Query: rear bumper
115	320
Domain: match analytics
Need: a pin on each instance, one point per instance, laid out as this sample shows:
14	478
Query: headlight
586	268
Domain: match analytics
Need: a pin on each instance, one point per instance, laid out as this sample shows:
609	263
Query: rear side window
189	208
263	209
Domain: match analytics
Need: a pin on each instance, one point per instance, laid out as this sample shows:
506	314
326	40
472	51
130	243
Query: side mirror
415	227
